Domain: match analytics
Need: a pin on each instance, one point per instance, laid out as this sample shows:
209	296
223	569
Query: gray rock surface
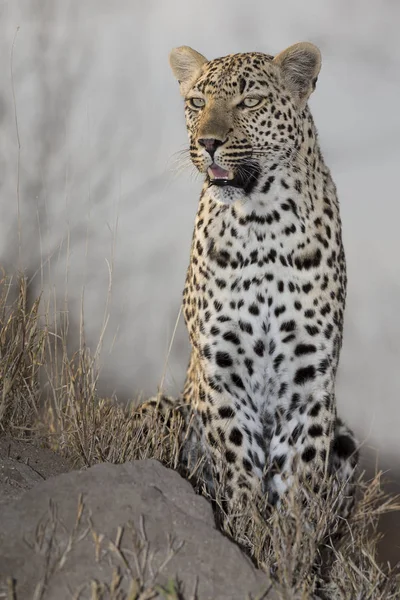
141	518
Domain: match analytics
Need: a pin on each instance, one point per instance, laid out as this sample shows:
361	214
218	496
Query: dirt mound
23	465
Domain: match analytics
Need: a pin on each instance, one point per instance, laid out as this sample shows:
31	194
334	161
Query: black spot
311	329
316	488
223	319
226	412
304	374
296	433
284	184
230	456
277	361
273	497
237	380
283	260
297	186
291	229
279	310
230	336
326	309
323	366
214	385
221	434
282	389
247	465
236	437
310	261
259	440
206	351
249	366
247	327
288	326
278	464
344	446
302	349
253	309
223	359
295	401
309	454
314	411
289	338
315	431
259	348
307	287
253	257
267	184
217	305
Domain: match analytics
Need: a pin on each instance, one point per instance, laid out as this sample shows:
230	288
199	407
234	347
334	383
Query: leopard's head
244	113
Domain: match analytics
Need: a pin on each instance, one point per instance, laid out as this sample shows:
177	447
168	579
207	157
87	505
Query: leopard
265	289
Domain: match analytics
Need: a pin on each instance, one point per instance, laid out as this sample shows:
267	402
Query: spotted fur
266	284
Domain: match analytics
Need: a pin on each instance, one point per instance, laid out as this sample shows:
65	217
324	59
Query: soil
23	465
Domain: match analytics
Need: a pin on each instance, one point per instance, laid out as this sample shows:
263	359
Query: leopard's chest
229	302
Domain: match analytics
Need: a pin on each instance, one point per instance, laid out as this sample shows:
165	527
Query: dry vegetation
50	398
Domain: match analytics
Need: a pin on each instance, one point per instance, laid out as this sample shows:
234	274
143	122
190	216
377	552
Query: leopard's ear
186	65
300	65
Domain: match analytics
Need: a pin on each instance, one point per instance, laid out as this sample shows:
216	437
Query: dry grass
22	344
69	417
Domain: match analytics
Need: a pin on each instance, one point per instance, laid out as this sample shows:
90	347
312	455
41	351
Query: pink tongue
218	172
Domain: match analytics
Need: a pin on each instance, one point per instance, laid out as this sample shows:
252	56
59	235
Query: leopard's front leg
312	451
235	443
301	444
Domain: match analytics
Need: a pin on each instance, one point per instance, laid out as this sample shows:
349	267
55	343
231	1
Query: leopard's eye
196	103
251	102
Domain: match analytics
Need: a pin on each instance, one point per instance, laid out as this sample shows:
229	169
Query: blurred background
90	124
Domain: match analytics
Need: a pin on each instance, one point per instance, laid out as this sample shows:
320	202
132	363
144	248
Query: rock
79	527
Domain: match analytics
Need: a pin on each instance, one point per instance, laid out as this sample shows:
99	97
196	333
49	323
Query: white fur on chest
242	276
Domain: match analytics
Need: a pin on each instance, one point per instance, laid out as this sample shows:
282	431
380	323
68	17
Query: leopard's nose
210	144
